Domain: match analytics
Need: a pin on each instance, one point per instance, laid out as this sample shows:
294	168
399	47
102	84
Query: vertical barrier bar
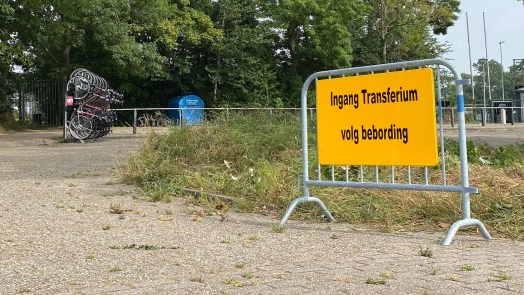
466	206
452	118
134	120
441	127
65	117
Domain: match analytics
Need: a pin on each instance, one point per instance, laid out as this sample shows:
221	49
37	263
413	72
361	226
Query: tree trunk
292	41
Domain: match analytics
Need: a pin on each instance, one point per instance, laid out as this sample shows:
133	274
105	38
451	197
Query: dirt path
58	236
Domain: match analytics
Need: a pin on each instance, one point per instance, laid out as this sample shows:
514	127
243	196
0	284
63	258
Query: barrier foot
462	223
304	200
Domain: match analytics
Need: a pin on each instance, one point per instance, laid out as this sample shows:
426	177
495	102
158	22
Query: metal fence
371	177
40	102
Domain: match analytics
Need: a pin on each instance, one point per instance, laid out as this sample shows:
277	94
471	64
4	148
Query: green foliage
500	157
249	53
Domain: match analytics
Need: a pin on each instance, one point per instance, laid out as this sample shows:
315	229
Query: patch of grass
106	227
467	267
253	238
375	281
115	269
240	264
90	257
277	228
255	160
454	278
426	252
116	209
233	282
226	240
248	276
500	277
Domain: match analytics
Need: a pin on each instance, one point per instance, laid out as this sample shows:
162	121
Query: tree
311	35
240	66
403	29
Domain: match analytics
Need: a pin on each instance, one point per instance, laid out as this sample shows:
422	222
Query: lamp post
483	61
502	65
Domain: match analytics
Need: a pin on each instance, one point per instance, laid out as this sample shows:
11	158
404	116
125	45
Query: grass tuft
500	277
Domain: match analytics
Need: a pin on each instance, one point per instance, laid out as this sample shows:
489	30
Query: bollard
511	117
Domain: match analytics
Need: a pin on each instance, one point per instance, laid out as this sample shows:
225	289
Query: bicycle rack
88	106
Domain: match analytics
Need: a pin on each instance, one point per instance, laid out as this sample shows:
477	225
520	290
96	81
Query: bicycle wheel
80	127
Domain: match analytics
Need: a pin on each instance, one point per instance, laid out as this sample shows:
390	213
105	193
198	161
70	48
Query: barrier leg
304	200
462	223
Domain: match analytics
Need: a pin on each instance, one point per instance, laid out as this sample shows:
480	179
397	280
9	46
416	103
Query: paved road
60	234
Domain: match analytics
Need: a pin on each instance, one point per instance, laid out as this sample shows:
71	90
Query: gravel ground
58	236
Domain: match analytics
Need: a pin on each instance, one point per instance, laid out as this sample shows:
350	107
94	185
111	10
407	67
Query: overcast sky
504	22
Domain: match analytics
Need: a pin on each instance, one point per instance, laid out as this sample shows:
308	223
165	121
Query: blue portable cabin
190	110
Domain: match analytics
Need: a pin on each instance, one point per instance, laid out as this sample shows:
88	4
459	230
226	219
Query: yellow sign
383	119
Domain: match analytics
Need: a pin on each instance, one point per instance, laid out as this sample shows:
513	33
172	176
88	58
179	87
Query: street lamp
483	61
502	77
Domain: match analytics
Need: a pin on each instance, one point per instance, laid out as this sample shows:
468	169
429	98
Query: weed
233	282
333	237
277	228
454	278
372	281
116	209
433	271
106	227
226	240
248	276
500	277
90	257
253	238
426	252
115	269
467	267
240	264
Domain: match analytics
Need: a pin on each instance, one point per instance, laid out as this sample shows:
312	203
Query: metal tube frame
464	188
